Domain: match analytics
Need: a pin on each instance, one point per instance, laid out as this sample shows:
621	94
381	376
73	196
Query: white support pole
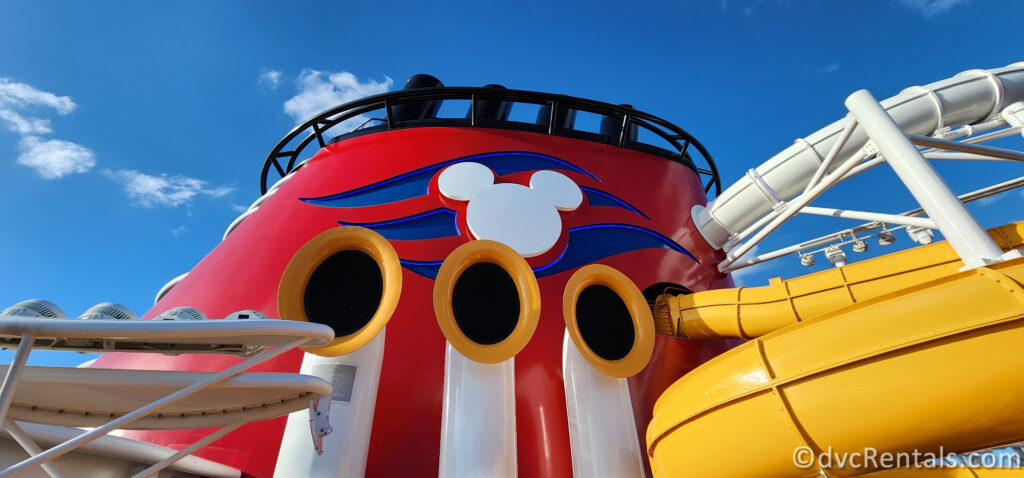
156	467
791	209
863	228
30	446
965	235
141	412
14	373
954	156
831	156
989	151
870	216
751	229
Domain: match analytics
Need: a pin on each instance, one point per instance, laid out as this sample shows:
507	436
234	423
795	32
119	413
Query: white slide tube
602	431
970	97
478	421
354	378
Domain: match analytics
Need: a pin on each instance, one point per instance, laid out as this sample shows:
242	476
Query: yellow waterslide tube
938	364
748	312
951	472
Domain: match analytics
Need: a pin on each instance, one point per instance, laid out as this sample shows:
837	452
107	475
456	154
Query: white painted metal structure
974	102
106	456
117	399
602	430
478	417
354	378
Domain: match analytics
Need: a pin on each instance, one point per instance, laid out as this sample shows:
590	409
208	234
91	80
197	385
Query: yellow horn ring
526	285
643	322
291	291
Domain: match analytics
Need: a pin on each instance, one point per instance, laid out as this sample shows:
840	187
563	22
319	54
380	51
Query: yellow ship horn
487	301
609	320
348	278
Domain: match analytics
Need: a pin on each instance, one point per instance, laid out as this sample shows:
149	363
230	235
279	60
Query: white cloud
15	96
55	158
317	94
270	79
930	8
164	190
829	68
23	125
239	208
178	230
20	94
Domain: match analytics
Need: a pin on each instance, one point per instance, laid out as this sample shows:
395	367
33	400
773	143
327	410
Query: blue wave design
415	183
592	243
428	225
424	268
596	197
587	244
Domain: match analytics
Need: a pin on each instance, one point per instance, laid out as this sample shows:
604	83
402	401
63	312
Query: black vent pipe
418	110
491	110
612	126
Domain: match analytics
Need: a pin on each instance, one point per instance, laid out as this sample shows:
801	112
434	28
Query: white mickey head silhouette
524	218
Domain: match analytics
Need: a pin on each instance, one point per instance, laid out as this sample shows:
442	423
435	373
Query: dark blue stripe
426	269
588	244
428	225
596	197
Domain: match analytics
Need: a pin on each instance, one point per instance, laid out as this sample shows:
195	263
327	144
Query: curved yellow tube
952	472
748	312
933	365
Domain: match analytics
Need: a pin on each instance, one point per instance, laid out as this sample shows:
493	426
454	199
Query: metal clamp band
763	186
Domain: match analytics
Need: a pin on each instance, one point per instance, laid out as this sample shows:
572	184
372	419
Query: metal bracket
870	149
319	422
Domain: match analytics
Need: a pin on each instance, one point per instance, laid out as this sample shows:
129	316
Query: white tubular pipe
864	228
969	97
826	164
999	153
154	469
124	420
792	209
602	432
870	216
478	421
954	156
354	378
962	231
14	373
30	447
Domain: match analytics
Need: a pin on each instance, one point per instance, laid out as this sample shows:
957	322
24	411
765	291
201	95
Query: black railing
284	157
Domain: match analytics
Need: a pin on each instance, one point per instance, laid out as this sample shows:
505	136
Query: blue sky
131	134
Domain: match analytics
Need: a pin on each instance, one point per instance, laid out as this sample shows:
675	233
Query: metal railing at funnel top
489	107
